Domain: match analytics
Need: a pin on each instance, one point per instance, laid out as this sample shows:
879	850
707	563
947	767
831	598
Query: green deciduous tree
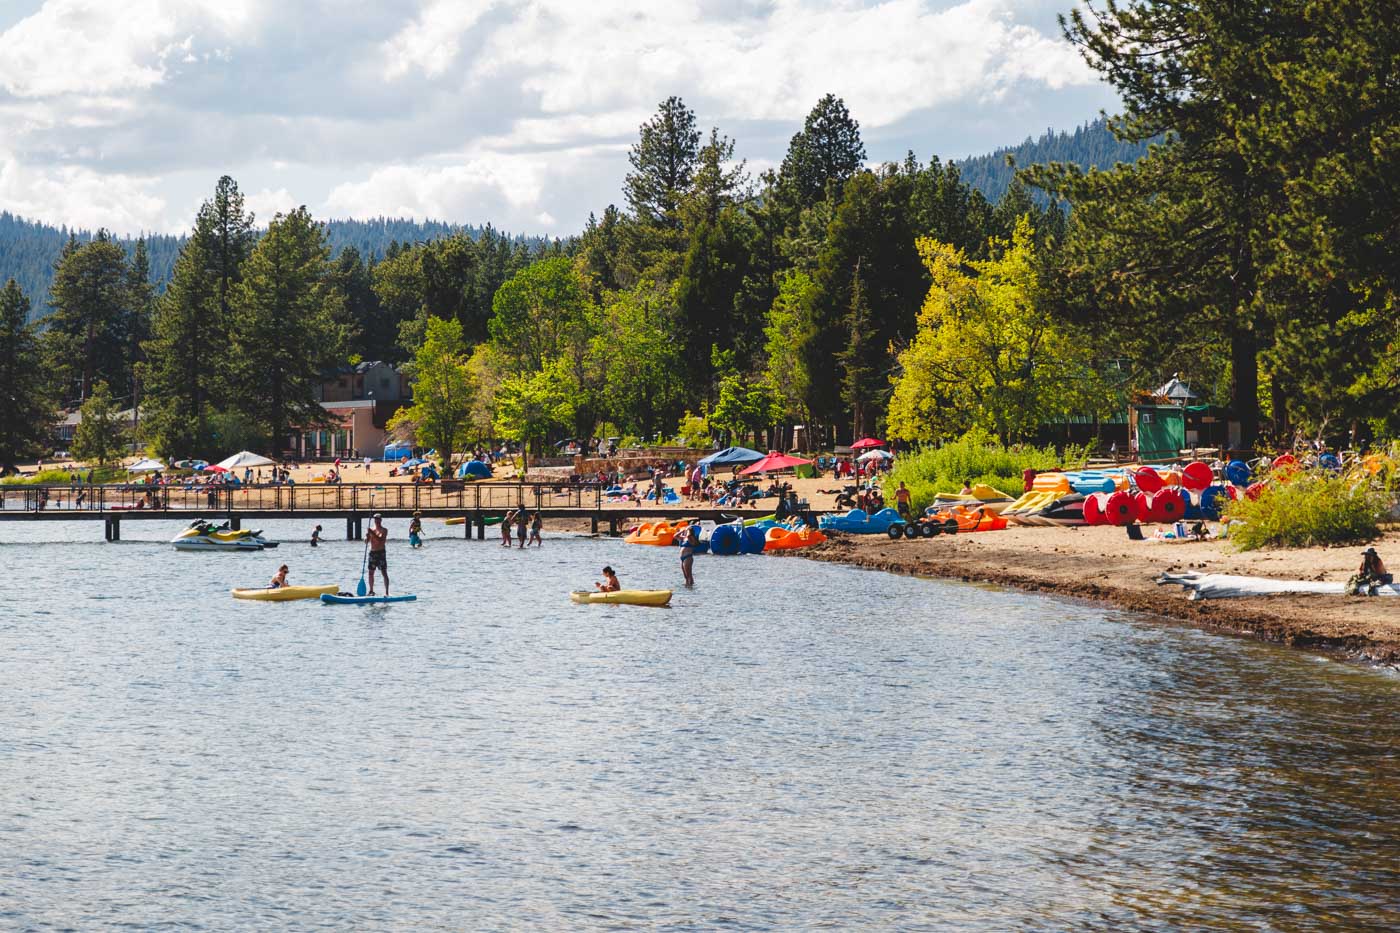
986	354
441	413
529	406
639	367
26	406
288	329
541	313
100	435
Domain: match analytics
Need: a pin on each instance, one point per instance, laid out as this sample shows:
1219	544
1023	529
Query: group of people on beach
527	529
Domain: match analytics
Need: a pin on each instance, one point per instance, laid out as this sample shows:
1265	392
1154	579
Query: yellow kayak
284	593
627	597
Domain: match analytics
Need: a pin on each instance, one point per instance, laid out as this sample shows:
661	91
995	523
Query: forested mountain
28	249
1092	144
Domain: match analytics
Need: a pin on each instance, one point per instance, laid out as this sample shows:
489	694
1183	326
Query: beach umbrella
875	455
191	464
774	461
216	468
414	462
245	458
866	443
146	465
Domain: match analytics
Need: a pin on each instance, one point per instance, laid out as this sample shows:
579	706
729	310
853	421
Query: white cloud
265	203
83	198
431	42
517	112
102	47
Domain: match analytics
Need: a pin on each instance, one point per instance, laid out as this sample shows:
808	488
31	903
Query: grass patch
107	474
978	457
1313	509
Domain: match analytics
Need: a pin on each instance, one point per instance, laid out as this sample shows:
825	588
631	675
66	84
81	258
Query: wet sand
1102	565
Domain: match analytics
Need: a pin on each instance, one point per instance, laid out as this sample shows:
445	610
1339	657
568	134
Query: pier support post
612	527
113	529
235	523
594	523
480	526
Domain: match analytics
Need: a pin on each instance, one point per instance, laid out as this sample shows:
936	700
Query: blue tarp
474	468
397	451
729	456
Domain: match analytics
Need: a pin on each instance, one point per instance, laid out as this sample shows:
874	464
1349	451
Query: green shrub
1312	509
107	474
979	457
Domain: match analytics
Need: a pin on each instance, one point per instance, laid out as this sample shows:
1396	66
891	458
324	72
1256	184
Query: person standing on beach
378	536
901	498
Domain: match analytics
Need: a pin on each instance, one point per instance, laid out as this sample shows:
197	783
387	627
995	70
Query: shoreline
1094	568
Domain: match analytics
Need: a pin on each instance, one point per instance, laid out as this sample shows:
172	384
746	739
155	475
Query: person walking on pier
378	536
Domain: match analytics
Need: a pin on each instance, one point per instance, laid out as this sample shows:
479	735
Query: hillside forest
1252	249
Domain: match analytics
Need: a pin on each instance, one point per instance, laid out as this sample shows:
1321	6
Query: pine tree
663	163
827	152
861	371
100	435
87	334
288	329
26	409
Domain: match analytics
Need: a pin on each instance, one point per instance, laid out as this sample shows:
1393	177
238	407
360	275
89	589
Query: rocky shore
1102	565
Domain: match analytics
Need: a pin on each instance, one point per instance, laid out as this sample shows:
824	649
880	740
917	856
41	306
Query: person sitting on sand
1373	568
610	583
280	580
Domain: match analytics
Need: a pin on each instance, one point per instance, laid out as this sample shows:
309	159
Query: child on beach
536	525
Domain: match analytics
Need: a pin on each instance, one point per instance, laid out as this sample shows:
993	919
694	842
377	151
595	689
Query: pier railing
337	497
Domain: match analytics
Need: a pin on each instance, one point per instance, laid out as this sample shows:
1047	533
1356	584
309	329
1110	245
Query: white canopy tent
875	455
245	458
145	465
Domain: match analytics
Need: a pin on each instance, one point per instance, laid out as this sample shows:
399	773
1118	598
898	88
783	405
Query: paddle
360	588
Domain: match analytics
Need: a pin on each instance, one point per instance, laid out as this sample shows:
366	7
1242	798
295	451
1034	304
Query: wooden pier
353	502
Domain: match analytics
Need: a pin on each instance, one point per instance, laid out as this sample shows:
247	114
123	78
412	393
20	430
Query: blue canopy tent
729	456
398	450
474	468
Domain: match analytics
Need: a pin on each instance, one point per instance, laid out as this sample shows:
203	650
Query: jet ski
202	535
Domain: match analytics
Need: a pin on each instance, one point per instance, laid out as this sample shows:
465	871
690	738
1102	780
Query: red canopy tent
867	442
774	461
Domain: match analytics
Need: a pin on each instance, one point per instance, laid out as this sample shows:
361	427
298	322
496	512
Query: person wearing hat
415	530
377	536
1373	569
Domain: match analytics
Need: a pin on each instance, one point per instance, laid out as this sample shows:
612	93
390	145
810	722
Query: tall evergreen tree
860	362
26	408
663	163
288	329
87	334
827	151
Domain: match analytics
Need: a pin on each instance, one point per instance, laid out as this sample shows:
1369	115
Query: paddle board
344	599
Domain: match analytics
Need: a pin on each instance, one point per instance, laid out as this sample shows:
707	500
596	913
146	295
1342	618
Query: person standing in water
415	531
536	526
316	536
522	526
378	536
505	528
690	537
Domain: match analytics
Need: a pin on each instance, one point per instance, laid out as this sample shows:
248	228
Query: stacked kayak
622	597
988	497
282	594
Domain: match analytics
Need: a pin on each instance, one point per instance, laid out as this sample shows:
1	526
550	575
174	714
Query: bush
978	457
105	474
1313	508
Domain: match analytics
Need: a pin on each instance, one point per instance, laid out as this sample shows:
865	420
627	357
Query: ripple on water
793	745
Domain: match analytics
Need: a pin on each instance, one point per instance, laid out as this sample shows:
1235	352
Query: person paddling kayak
280	579
610	584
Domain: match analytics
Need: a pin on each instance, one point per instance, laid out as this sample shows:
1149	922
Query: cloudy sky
123	113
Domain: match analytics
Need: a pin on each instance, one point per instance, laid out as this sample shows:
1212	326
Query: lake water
792	745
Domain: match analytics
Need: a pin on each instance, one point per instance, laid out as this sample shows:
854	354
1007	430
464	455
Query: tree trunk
1244	382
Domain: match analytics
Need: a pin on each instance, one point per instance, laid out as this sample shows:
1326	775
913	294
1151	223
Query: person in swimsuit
377	536
505	529
316	536
522	526
415	531
280	580
536	526
691	537
610	583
